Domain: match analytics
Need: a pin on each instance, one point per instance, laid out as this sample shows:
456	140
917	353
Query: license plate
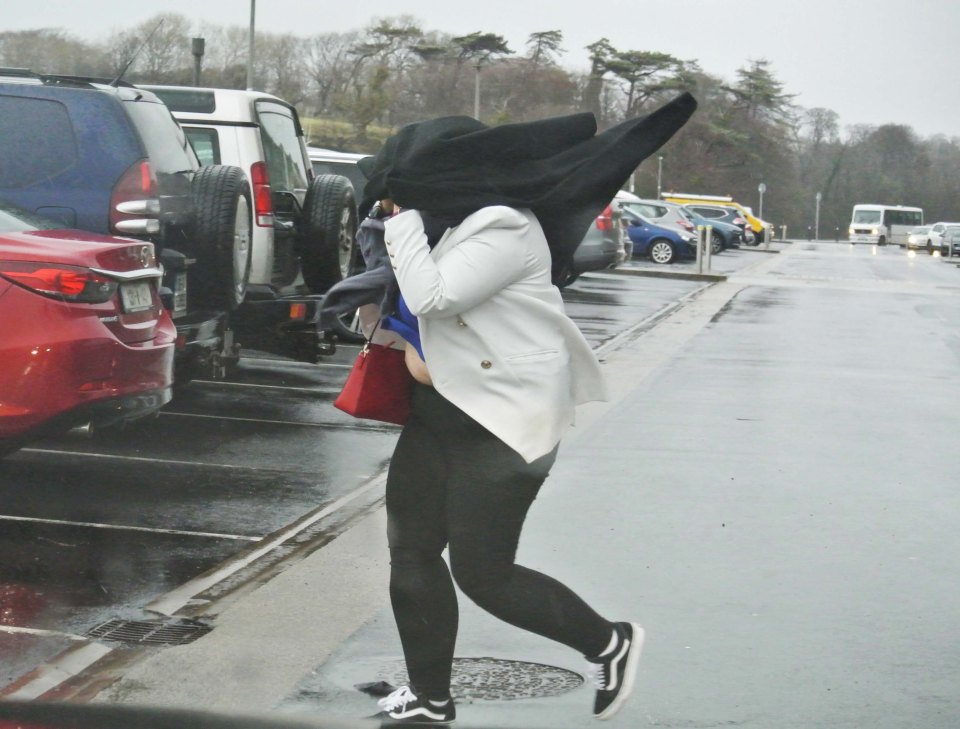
136	296
180	293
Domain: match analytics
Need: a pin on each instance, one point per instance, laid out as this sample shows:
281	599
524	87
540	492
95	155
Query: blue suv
109	158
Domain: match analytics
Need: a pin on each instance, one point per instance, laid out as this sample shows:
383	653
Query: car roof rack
62	79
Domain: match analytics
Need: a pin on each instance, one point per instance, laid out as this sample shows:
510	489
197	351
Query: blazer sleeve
487	260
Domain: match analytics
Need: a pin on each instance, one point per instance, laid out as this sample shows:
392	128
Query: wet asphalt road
94	528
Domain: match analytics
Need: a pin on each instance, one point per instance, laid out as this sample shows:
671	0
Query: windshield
866	216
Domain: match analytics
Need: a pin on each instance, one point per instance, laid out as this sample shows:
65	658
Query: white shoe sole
629	673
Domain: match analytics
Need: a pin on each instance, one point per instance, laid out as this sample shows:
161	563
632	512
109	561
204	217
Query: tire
327	234
661	251
222	238
347	328
716	242
882	241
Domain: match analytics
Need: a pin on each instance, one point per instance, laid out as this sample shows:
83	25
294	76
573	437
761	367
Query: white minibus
882	224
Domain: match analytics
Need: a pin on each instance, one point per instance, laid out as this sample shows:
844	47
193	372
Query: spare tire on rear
327	233
221	240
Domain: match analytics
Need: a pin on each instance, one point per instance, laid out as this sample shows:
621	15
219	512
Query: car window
347	169
712	213
14	219
165	142
281	146
206	144
651	212
37	141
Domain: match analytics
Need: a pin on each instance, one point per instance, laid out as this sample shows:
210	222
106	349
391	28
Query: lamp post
659	174
253	15
816	219
761	188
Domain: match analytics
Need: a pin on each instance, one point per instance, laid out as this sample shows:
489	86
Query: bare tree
225	60
48	50
159	49
280	66
330	66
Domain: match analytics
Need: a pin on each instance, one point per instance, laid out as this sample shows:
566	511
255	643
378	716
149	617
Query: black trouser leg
452	481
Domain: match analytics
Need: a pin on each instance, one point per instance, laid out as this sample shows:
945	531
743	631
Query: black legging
452	482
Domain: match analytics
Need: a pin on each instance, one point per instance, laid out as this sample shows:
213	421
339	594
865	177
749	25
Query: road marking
176	599
51	675
312	390
264	421
126	528
141	459
14	630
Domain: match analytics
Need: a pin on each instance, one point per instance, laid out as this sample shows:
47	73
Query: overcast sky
886	61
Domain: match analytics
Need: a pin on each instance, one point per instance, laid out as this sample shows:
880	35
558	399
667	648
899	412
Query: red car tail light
605	219
262	194
134	206
687	226
131	258
739	221
65	283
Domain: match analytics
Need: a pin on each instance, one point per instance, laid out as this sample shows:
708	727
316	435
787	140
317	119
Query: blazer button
461	322
486	364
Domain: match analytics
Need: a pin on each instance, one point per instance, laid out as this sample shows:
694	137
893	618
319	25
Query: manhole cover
495	679
149	632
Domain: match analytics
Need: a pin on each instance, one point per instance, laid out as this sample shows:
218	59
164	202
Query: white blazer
495	337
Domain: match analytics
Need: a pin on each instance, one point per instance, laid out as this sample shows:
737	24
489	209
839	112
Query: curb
669	274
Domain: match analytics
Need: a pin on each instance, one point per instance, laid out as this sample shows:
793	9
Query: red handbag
378	387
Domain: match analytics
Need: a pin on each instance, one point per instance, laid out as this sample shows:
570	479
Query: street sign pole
816	220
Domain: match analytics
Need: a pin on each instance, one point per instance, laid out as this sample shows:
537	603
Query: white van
882	224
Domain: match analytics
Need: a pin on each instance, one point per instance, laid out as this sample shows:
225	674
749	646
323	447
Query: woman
499	370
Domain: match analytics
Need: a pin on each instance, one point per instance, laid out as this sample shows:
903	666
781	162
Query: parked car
304	232
935	236
659	243
86	338
918	238
950	241
723	214
759	229
662	213
684	221
602	246
723	235
109	158
332	162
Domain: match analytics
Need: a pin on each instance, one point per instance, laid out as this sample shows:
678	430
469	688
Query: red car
84	336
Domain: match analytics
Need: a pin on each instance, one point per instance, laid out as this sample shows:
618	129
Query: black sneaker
614	672
403	707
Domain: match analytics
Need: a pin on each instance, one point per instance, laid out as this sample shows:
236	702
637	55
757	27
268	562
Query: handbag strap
367	341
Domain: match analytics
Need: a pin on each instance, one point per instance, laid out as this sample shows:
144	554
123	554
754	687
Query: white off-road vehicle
303	237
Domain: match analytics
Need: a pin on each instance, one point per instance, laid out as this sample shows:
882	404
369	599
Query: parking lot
119	524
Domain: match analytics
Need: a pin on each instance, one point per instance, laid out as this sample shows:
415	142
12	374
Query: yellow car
758	226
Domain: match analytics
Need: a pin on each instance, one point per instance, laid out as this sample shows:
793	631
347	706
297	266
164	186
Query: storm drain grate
495	679
149	632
